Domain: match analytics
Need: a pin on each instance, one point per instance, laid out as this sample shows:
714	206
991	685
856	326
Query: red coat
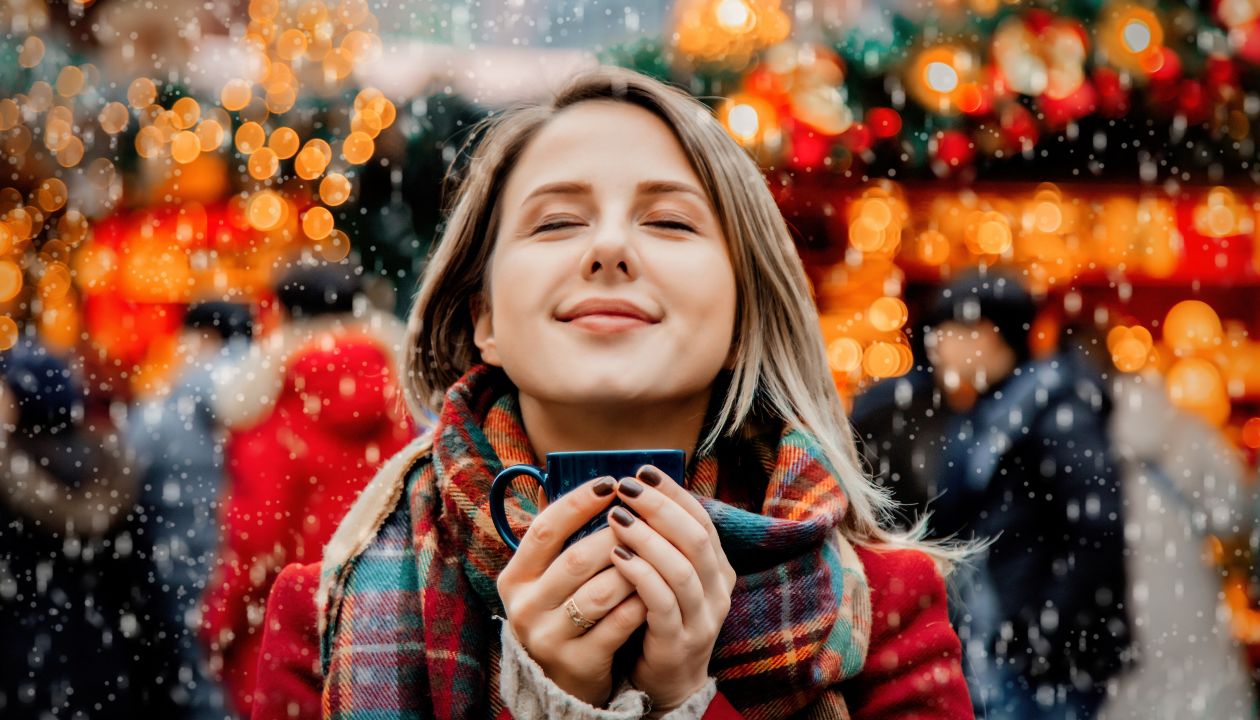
294	468
913	668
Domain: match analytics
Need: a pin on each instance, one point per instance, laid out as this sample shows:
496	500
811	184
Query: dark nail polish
630	487
651	475
622	517
623	553
604	486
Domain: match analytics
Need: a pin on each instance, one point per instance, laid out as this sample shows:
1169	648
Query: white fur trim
529	694
244	394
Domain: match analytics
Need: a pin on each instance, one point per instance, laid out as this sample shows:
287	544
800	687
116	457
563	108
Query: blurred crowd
137	546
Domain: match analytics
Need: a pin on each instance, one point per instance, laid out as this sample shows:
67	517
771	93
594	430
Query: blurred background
1030	228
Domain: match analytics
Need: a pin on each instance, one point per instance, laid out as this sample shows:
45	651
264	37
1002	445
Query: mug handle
498	495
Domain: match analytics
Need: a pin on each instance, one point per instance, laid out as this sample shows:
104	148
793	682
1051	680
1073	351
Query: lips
607	308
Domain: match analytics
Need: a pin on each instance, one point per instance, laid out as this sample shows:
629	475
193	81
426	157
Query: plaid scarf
408	629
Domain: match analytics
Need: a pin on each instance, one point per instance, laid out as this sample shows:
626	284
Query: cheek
702	283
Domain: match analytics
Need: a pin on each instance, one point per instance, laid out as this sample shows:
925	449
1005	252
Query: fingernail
622	517
630	487
651	475
622	553
604	486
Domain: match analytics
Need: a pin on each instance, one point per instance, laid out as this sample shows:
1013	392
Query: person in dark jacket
78	636
1014	453
178	441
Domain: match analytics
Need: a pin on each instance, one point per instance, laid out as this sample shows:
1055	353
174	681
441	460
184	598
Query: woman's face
610	281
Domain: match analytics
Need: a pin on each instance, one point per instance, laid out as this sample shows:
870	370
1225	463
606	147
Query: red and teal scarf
408	616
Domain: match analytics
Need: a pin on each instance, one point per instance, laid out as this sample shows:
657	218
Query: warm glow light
263	164
284	141
113	118
887	314
210	135
941	77
882	360
732	14
187	112
1251	433
32	52
933	247
141	93
334	189
185	147
844	354
743	121
70	155
249	137
1196	385
317	223
1137	35
8	332
51	195
69	81
10	280
358	148
993	237
236	94
266	210
310	163
1192	325
335	247
291	44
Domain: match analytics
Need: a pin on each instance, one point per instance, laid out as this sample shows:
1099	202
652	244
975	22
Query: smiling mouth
608	323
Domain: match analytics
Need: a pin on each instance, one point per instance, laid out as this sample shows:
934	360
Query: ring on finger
576	616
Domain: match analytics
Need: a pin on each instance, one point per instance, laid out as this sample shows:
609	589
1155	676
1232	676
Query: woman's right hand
543	574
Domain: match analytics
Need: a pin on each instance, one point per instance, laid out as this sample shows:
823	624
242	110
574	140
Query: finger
678	527
666	560
663	611
614	629
576	565
657	478
594	601
545	537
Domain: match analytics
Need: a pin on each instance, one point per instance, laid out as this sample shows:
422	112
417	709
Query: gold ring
576	615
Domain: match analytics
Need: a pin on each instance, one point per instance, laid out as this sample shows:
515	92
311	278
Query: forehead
607	144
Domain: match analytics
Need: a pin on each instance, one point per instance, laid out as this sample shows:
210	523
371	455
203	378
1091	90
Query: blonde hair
780	368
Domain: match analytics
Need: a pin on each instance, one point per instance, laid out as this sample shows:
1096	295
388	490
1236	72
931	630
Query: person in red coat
614	275
311	413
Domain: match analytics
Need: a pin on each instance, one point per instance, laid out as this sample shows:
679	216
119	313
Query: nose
611	253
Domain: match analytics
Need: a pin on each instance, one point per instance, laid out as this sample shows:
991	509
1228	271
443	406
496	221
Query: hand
680	571
540	578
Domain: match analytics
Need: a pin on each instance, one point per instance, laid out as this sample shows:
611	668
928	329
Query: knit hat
310	290
228	320
48	398
996	296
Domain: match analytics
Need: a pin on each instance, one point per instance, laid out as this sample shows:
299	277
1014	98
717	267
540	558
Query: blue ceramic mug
570	470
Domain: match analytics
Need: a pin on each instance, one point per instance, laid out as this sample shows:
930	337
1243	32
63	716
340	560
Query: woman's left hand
681	574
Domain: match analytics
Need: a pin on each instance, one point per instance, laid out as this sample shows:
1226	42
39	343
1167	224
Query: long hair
780	367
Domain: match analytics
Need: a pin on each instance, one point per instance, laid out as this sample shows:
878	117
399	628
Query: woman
614	274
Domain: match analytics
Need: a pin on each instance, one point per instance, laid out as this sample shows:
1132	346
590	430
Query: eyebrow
647	187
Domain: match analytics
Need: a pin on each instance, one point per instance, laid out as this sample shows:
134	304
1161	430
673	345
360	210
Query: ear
483	330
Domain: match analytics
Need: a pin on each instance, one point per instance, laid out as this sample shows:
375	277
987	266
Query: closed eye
673	225
560	224
556	225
